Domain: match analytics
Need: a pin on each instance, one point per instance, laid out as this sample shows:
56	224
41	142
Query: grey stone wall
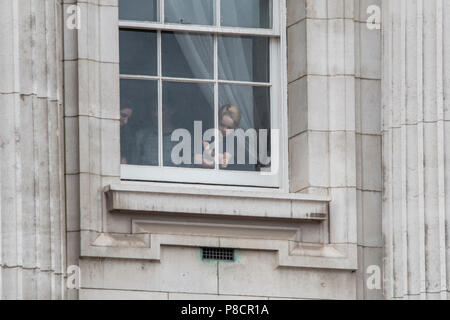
416	150
32	200
334	72
368	149
335	157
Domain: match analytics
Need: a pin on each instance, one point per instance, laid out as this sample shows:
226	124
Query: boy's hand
224	159
206	161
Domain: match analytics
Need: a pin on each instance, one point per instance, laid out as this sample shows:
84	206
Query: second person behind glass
147	139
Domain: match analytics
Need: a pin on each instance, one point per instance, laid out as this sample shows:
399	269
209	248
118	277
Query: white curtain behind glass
194	48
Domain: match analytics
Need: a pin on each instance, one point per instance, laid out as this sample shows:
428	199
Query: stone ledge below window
213	201
198	216
148	247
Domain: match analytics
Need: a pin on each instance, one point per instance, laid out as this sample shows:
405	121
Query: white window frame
278	105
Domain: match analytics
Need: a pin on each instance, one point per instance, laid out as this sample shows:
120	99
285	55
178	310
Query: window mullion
160	128
161	10
216	104
218	13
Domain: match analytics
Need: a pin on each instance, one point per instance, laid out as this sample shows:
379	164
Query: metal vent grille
218	254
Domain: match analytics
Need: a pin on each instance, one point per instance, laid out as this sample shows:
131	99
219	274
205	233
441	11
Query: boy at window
229	119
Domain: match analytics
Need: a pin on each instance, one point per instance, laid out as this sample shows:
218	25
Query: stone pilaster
32	210
334	68
416	149
368	149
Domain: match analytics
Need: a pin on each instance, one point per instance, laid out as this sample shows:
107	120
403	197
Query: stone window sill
155	197
200	216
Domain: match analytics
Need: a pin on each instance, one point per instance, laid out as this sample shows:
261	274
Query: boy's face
125	115
226	123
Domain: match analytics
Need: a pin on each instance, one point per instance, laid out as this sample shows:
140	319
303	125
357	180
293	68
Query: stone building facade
362	207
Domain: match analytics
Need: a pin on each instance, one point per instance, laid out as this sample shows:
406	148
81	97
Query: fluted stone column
32	232
416	148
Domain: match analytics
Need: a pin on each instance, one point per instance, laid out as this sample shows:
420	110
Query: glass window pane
187	108
189	11
140	10
244	122
138	53
187	55
246	13
139	122
244	58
